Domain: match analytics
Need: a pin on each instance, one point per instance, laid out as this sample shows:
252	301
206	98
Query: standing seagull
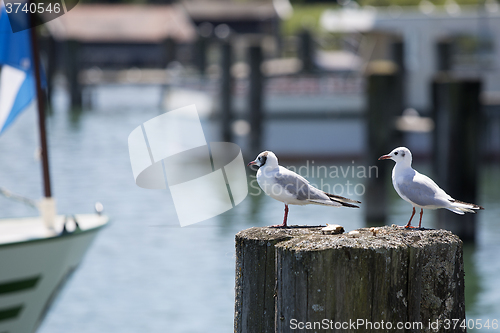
420	190
286	186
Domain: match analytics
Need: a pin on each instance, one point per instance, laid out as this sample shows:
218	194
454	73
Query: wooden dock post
289	278
458	115
72	73
255	99
398	57
200	54
201	46
170	49
383	107
226	92
306	51
255	303
444	54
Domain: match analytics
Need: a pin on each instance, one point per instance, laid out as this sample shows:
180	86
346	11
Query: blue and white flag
17	82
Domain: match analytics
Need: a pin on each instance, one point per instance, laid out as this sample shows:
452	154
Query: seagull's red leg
421	213
409	222
285	218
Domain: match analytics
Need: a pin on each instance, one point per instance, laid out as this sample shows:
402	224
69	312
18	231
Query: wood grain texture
376	274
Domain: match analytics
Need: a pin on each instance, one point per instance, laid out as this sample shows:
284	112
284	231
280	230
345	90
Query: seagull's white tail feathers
460	211
461	208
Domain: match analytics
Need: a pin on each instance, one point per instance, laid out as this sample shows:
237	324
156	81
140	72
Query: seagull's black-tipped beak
251	163
384	157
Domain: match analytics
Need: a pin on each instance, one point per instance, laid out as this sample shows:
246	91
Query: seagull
420	190
290	188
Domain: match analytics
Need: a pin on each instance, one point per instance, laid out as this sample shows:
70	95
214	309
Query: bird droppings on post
309	238
332	229
384	273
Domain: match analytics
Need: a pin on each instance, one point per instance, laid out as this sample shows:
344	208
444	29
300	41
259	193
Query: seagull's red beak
251	163
384	157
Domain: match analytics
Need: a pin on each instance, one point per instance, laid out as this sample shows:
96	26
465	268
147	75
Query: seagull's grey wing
421	190
298	186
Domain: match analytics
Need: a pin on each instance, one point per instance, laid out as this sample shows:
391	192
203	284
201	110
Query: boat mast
41	107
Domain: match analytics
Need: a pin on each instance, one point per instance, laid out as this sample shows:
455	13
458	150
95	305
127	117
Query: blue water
144	273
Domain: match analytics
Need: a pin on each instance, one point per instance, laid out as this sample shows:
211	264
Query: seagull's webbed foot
282	225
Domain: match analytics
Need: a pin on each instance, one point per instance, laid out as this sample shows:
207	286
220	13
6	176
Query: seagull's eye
260	158
395	153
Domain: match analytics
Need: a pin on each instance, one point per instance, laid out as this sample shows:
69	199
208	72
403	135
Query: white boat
36	261
36	254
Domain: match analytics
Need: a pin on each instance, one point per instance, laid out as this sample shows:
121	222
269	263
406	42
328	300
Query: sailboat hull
33	270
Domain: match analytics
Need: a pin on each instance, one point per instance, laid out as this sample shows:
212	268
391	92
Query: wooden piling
306	51
457	115
383	107
255	302
444	55
226	91
200	54
398	57
255	98
285	277
72	73
170	49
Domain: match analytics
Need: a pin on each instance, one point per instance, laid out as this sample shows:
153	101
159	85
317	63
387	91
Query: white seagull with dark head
420	190
286	186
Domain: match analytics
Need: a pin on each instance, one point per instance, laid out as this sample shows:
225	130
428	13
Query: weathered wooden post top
299	279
